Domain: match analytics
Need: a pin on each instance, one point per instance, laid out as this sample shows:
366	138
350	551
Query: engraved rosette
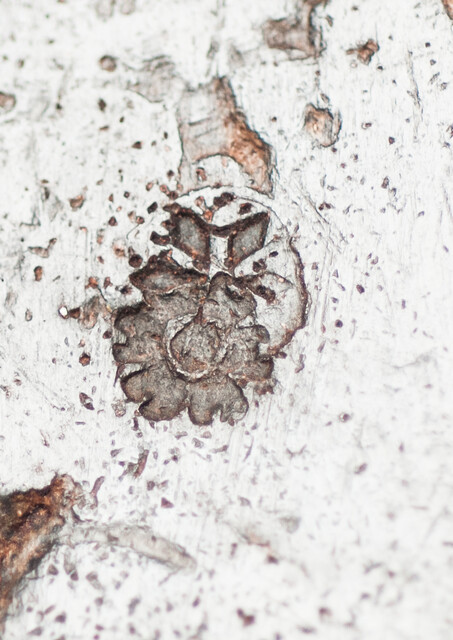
221	297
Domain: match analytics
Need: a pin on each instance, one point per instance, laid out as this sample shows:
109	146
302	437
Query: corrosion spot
295	32
211	124
448	4
77	202
86	401
365	51
7	102
322	125
85	359
107	63
30	523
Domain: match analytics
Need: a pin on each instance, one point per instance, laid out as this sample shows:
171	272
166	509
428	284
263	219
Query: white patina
327	508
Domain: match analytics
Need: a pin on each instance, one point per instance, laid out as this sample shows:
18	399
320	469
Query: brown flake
135	260
141	464
92	283
448	4
119	408
135	469
7	102
38	273
322	125
245	207
88	313
295	32
77	202
211	124
223	200
365	51
43	252
86	401
107	63
30	523
247	619
85	359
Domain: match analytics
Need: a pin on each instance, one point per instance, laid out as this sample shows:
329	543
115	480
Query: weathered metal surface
325	508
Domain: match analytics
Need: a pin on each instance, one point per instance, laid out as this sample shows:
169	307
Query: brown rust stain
295	32
218	127
30	523
88	314
76	202
7	102
365	51
322	125
107	63
43	252
448	4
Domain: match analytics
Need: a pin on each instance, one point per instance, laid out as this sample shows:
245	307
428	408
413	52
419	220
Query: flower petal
144	348
244	351
133	321
194	349
162	275
228	301
164	394
208	397
167	402
254	371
